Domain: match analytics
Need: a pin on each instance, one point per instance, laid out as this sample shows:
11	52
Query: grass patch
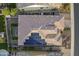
2	40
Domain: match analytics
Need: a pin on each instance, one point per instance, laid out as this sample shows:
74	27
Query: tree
65	7
9	9
2	23
6	11
14	11
11	5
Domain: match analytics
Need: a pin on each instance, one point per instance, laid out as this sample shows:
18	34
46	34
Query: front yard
2	40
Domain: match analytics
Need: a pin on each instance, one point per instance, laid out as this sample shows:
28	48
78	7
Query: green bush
3	46
15	38
66	29
6	11
14	12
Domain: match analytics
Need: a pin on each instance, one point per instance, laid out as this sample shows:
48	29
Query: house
27	23
39	17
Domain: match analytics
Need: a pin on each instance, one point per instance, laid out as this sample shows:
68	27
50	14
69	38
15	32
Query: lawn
1	40
3	45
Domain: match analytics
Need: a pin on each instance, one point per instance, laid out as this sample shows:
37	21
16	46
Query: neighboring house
21	5
53	5
37	9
